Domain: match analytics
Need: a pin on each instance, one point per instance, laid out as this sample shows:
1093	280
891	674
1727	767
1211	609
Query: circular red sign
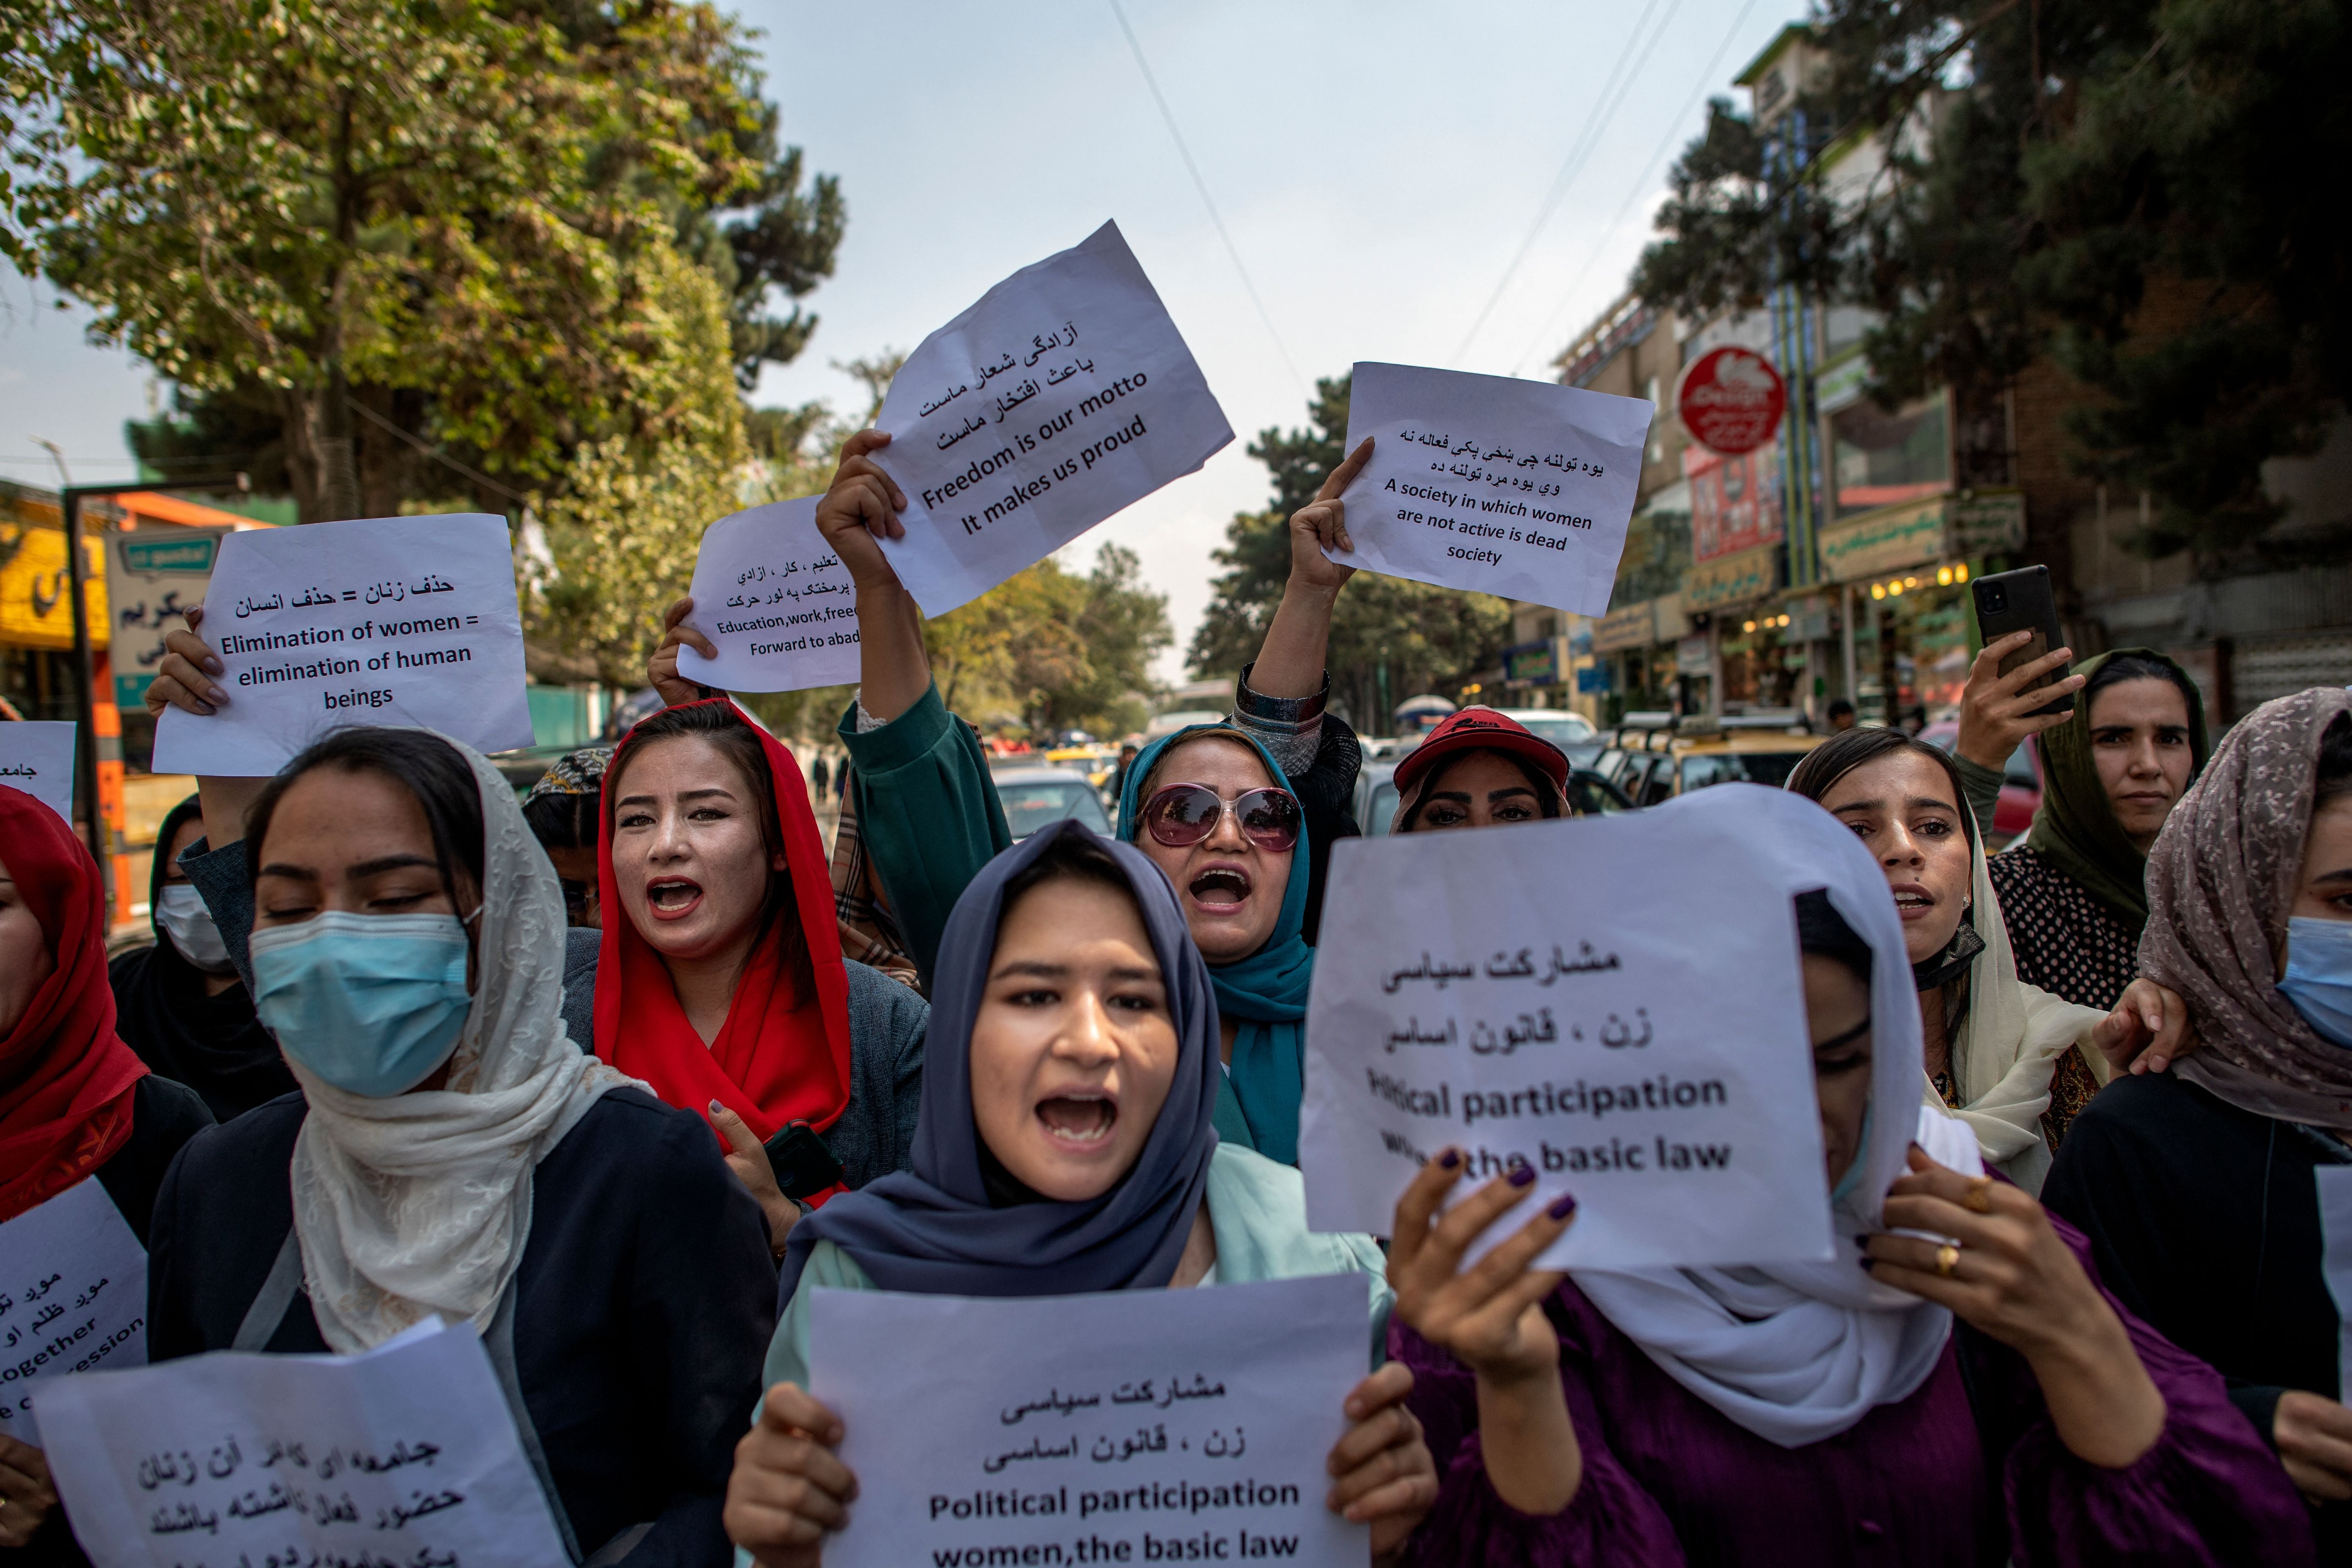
1731	400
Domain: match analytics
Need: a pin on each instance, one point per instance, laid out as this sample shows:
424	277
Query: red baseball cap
1481	730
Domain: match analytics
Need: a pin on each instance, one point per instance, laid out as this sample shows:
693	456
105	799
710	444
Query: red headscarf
772	1063
65	1078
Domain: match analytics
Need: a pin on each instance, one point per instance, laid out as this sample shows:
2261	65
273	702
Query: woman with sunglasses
1239	816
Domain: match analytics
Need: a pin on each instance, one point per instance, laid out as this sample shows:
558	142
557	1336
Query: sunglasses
1182	814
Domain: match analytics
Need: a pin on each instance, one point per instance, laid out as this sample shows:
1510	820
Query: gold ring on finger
1948	1258
1979	1198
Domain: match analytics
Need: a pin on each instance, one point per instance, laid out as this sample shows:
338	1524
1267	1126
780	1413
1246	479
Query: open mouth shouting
1912	902
673	898
1220	889
1078	1121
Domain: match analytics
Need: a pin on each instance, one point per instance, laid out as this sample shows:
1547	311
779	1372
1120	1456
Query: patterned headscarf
575	773
2221	881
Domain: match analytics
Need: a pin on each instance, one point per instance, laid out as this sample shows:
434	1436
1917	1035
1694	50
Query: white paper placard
1616	1001
73	1298
404	1454
776	602
1130	1426
2335	1261
1064	394
389	620
36	755
1490	482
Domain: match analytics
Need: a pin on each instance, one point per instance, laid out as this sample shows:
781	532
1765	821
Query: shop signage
1735	502
1634	625
1733	579
1731	400
1984	522
1841	385
153	575
1533	661
1882	540
36	603
1692	655
1592	677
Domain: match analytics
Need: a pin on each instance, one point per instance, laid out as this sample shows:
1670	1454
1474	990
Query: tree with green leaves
486	230
2123	186
1425	639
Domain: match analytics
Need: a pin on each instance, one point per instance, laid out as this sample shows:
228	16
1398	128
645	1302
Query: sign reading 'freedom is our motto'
1064	394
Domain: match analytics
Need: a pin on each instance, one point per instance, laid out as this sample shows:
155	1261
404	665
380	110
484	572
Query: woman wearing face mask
1480	769
2071	893
453	1152
1969	1402
2197	1188
721	982
180	1005
928	811
1065	1146
75	1102
1991	1042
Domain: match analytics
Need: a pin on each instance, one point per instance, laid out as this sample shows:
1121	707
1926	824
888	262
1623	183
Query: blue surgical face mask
2318	978
372	1003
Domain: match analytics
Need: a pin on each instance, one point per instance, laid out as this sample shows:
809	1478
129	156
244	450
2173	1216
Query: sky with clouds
1381	169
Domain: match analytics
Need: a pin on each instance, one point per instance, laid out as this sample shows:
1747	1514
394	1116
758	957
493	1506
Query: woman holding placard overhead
1991	1042
1067	1146
717	977
453	1152
1236	814
75	1102
2211	1194
1965	1397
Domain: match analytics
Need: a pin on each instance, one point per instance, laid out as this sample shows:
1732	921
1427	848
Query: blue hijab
1266	992
935	1231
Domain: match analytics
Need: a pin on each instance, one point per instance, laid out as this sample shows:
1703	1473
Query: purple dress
1939	1478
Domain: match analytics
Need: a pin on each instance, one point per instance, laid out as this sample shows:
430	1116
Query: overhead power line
1620	80
1641	185
1168	117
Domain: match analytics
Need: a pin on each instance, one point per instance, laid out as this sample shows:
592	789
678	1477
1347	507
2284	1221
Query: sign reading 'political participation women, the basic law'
1064	394
1518	488
777	603
1128	1426
1615	1001
391	620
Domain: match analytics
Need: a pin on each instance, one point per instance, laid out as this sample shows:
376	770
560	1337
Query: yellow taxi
1095	763
1653	757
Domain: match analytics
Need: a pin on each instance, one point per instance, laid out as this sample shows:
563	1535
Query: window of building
1882	458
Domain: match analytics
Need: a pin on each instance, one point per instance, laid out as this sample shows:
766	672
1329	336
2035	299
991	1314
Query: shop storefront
1634	646
1903	572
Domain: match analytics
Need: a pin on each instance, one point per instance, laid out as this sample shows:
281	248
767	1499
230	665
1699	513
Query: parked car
2021	783
1376	796
1557	725
1655	757
1034	796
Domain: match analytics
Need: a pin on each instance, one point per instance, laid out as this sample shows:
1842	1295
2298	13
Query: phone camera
1996	600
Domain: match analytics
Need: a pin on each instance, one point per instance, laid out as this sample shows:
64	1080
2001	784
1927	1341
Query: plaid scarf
869	933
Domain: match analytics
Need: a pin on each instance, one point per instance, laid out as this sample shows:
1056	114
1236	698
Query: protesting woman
75	1102
2199	1188
179	1004
2072	897
1067	1146
717	978
1832	1411
1991	1042
453	1152
1480	769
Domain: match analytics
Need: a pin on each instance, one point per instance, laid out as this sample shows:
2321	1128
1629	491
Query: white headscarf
420	1202
2009	1046
1799	1351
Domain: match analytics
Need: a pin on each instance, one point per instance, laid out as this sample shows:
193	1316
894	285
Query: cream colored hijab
420	1202
2009	1046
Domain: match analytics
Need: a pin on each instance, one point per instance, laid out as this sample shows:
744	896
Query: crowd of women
618	1072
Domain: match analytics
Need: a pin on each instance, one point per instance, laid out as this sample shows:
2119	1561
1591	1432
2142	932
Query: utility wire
1168	118
1641	185
1579	153
439	456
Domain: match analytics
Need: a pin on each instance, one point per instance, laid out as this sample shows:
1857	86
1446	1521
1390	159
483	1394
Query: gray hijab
935	1231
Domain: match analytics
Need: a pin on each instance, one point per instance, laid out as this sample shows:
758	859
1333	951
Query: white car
1558	725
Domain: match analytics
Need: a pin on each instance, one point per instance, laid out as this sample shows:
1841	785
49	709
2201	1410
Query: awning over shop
1976	523
1739	578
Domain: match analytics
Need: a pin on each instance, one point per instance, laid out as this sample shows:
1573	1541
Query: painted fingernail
218	695
1562	1206
1867	1262
1863	1242
1450	1159
1521	1175
203	707
716	1107
214	664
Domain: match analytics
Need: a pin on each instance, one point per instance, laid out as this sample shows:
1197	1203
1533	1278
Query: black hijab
215	1044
